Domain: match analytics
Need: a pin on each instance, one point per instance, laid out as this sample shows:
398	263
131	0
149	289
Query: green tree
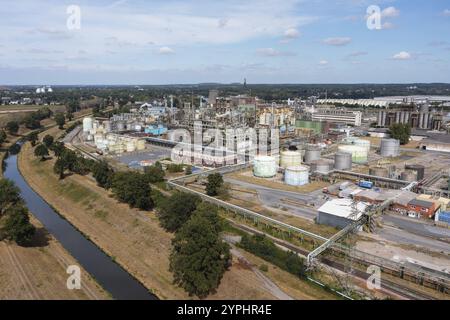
58	148
176	210
215	182
9	195
33	137
60	120
12	127
3	137
199	258
102	174
69	116
59	167
48	141
401	132
154	174
31	121
17	226
41	151
132	188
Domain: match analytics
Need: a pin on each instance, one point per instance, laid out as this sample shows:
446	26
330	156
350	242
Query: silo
390	148
408	176
419	169
88	123
296	176
343	160
312	154
379	172
264	167
359	154
322	167
290	158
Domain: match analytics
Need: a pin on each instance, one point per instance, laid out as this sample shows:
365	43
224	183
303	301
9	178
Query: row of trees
14	218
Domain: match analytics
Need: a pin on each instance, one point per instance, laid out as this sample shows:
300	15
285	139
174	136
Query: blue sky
265	41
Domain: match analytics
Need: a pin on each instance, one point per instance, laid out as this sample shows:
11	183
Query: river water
113	278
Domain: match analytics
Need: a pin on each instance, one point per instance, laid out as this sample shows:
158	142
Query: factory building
340	212
421	120
353	118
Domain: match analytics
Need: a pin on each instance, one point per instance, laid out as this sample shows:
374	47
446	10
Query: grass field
134	238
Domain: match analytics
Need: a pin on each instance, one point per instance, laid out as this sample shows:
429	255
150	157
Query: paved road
417	228
273	198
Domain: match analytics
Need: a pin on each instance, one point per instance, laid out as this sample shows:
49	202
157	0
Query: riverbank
39	272
133	238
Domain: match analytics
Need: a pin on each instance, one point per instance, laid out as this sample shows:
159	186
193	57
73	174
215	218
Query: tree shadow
40	239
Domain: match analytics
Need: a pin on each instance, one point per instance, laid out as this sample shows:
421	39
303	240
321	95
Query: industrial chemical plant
324	167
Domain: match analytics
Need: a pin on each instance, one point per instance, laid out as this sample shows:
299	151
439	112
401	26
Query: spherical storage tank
359	154
389	148
312	154
88	124
296	176
290	158
264	167
343	160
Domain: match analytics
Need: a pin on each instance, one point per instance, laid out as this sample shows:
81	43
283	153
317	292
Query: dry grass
39	272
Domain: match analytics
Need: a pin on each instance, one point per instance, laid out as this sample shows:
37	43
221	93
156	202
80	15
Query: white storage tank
390	148
296	175
290	158
88	123
264	167
140	145
363	143
359	154
130	146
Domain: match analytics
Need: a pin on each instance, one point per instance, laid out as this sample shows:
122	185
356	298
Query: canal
113	278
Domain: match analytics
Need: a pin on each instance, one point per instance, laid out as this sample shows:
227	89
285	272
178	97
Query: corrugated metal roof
421	203
342	208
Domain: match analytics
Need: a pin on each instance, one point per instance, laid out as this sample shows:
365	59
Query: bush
264	267
264	248
173	168
215	182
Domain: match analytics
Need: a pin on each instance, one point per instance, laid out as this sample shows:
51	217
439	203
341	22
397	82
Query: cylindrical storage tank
359	154
296	175
140	145
389	148
120	126
312	154
363	143
419	169
408	176
322	167
88	123
107	126
343	160
290	158
379	172
130	146
264	167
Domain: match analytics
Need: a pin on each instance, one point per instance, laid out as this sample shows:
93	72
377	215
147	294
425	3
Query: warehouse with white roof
340	212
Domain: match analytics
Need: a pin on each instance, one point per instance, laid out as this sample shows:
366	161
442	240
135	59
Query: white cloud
403	55
390	12
323	62
271	52
166	50
337	41
291	33
446	13
387	25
